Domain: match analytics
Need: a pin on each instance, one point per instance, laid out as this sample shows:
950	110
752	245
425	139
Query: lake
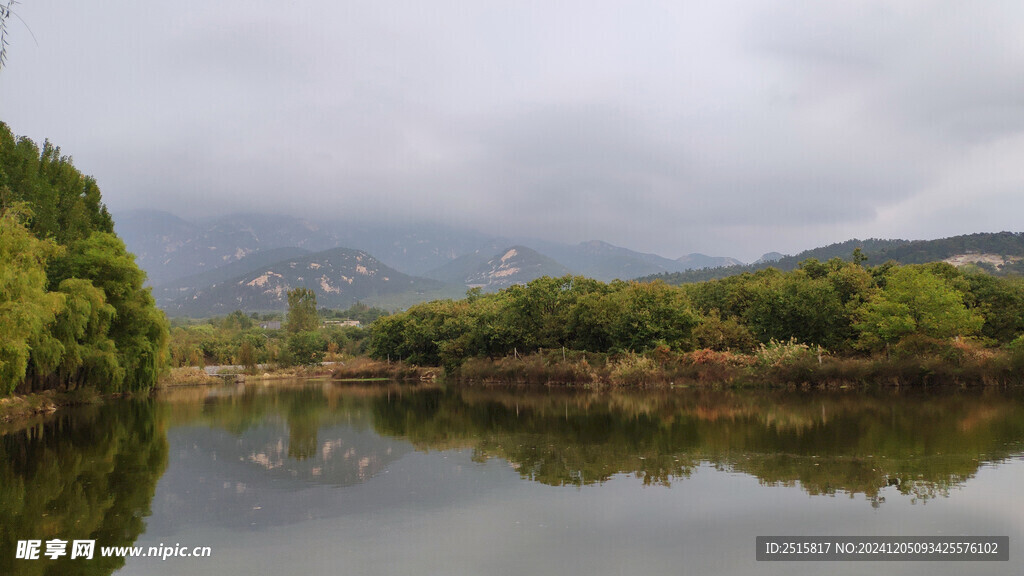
322	477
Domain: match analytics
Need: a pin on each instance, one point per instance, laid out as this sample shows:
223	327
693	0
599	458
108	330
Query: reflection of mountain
855	443
88	474
306	433
264	453
236	480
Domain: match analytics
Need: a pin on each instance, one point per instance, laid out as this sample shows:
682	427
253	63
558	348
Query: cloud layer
727	127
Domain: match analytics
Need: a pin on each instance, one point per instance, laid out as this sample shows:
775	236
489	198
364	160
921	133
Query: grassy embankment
193	376
362	368
779	365
351	368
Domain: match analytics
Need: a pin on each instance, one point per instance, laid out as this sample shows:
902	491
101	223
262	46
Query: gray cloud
731	127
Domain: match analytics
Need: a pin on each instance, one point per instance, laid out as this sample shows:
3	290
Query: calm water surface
329	478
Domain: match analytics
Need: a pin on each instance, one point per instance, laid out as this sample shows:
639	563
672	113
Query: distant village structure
276	324
330	323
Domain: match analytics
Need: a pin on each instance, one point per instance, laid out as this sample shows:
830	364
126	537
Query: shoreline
711	369
21	407
656	370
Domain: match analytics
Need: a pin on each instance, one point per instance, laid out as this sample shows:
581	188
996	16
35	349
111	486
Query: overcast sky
730	128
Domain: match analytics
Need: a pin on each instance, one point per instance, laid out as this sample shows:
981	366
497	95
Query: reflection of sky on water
443	513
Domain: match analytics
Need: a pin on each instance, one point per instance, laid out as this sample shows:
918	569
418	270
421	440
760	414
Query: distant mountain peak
514	265
770	257
696	261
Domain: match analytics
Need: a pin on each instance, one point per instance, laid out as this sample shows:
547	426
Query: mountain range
249	262
209	267
340	276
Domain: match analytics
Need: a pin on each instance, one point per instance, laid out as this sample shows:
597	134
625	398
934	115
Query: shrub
776	354
717	334
633	369
532	369
920	346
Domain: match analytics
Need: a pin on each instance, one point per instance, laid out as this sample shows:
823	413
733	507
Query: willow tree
73	309
5	15
26	308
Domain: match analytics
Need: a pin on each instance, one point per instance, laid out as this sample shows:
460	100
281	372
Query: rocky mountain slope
517	265
340	277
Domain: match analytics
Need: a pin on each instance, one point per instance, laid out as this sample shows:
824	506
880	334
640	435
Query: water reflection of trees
920	443
88	474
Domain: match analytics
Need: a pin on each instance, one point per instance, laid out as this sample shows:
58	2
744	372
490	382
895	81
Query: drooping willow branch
5	14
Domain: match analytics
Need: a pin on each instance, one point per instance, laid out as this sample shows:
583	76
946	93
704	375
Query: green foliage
26	308
1001	302
1017	346
302	314
918	301
139	331
358	311
5	14
90	355
716	334
796	305
247	355
549	313
811	304
78	312
649	314
306	348
835	305
237	320
65	204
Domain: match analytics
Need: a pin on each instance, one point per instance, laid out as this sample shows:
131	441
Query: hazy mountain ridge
174	251
698	261
594	259
169	248
185	250
517	265
769	257
604	261
340	277
186	287
459	270
243	250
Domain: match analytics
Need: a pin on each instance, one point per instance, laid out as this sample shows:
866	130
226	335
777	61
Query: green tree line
843	307
73	310
238	338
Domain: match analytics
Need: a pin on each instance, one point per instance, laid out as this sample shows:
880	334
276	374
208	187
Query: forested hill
1006	244
73	310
